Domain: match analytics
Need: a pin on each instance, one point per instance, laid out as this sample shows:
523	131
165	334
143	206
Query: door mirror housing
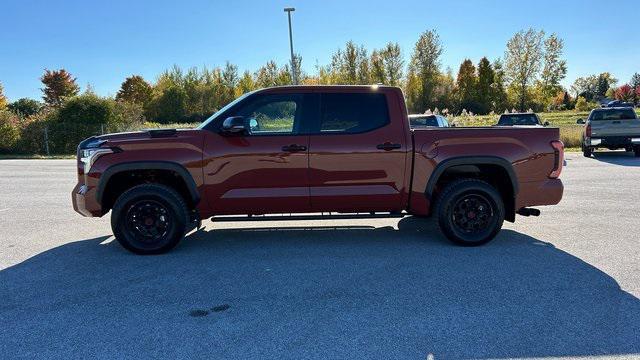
234	125
580	121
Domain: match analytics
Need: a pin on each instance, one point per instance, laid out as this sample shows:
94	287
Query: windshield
224	108
613	114
518	119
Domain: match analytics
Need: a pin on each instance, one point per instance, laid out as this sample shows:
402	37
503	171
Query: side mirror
546	123
234	125
580	121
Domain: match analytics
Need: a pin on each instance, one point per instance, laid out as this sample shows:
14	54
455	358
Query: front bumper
84	201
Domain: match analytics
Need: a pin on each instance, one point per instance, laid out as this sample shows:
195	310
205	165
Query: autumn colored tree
58	86
3	99
624	93
135	90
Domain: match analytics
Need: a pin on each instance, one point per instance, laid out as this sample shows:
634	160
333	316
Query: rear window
352	113
429	120
518	119
612	114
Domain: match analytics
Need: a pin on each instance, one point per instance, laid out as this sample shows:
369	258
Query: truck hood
160	138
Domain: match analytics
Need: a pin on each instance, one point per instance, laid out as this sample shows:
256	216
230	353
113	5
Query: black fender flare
470	160
148	165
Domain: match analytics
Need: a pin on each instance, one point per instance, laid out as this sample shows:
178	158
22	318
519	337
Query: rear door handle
294	148
388	146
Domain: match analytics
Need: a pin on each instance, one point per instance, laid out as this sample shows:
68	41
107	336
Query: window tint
614	114
429	120
353	113
272	114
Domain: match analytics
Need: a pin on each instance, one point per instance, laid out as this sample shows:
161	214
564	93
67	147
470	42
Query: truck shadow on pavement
617	158
315	292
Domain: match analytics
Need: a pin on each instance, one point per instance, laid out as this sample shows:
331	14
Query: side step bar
320	216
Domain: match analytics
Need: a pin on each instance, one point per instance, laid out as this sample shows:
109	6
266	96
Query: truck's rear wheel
470	212
636	151
149	219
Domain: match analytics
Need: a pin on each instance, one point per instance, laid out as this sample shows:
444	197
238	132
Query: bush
9	131
583	105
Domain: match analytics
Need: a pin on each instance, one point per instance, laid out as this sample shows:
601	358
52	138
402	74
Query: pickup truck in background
424	120
315	152
611	128
520	119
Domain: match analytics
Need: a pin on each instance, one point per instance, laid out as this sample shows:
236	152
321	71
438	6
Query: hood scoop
162	133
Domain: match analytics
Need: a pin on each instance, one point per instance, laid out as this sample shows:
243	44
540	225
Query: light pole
293	62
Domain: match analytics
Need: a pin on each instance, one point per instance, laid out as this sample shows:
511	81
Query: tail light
558	159
588	131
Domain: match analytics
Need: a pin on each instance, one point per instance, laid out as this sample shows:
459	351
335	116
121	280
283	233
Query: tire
587	151
636	151
483	208
149	219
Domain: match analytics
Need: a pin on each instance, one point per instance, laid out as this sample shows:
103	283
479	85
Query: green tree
169	106
605	81
523	59
267	75
59	85
393	64
378	73
486	77
555	68
245	84
499	101
135	90
424	72
25	107
350	66
466	87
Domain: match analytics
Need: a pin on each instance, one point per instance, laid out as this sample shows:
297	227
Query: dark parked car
520	119
423	120
619	103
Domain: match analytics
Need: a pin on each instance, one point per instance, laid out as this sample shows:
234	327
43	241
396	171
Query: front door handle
388	146
294	148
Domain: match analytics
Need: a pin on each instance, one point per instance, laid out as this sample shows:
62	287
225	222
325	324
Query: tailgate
624	127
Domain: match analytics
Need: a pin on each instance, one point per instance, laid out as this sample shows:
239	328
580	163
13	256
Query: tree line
528	76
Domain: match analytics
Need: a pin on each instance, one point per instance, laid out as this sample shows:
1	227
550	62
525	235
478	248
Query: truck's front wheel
149	219
470	212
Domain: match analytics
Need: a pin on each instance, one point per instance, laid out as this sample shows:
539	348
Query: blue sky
102	42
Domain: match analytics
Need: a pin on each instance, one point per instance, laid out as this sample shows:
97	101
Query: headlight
89	156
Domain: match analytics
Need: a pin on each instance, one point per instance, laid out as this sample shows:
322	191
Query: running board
322	216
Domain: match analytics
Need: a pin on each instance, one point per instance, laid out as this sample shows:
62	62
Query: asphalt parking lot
566	284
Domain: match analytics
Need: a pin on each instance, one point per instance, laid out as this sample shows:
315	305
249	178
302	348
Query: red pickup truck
315	152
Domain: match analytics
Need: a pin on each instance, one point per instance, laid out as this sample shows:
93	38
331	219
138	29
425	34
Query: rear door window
352	113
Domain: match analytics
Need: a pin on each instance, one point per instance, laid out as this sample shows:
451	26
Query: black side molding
470	160
148	165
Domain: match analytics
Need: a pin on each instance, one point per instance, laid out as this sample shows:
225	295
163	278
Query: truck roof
326	87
